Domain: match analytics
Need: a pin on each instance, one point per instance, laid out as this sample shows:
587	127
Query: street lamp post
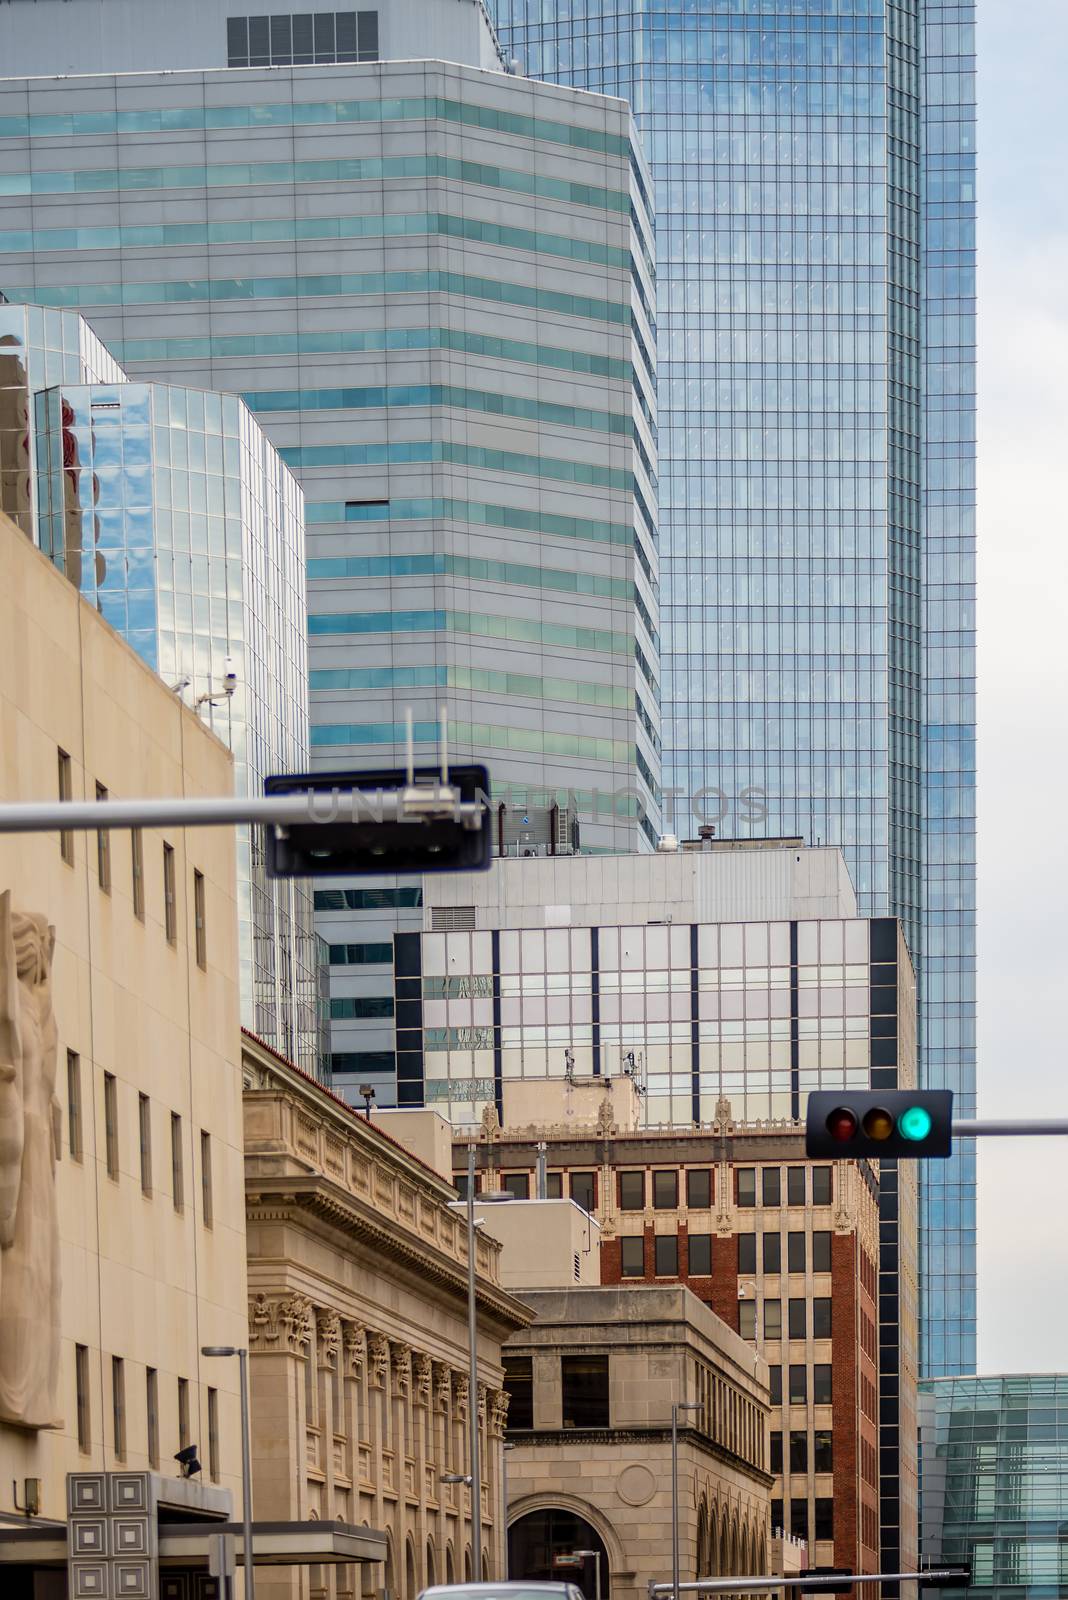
596	1554
246	1459
474	1442
504	1506
682	1405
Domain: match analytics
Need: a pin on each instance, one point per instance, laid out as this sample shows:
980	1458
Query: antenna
409	746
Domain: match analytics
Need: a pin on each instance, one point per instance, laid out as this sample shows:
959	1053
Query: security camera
229	682
187	1460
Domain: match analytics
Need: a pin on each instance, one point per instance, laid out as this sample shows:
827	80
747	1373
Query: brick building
785	1251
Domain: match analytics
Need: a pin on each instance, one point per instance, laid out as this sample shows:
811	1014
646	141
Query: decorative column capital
281	1324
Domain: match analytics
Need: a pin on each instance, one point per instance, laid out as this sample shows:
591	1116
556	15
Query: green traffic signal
915	1123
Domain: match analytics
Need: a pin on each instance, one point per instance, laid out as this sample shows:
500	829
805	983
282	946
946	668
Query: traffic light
830	1581
901	1123
405	822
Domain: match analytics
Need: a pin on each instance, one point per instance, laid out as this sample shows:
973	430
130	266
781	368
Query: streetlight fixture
454	1477
596	1554
681	1405
474	1443
246	1458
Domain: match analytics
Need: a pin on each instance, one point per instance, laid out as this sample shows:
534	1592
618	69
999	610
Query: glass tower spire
813	166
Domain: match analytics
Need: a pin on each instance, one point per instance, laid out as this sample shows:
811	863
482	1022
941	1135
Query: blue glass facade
994	1453
812	165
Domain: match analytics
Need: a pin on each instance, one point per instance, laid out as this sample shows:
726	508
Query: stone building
592	1383
357	1276
122	1248
784	1251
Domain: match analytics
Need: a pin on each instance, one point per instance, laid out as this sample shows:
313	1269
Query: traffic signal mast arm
817	1583
902	1124
320	806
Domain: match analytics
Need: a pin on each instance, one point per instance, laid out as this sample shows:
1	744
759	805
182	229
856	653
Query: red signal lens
842	1124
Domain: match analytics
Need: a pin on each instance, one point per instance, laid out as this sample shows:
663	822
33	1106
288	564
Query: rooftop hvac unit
536	831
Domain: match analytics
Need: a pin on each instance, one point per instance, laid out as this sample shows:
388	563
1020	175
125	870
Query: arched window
431	1565
411	1583
534	1540
450	1565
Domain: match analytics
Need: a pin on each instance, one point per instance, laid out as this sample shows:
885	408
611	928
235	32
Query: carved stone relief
378	1355
327	1337
29	1149
423	1368
459	1394
282	1323
353	1341
498	1412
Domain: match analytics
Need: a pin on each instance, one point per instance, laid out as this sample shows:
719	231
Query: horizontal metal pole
1000	1127
278	810
769	1585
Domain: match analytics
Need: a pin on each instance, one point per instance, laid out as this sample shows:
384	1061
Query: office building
738	973
433	284
173	515
591	1385
785	1252
995	1482
358	1337
814	174
122	1167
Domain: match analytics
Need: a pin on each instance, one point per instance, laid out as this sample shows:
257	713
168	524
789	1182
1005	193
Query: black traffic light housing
425	838
843	1124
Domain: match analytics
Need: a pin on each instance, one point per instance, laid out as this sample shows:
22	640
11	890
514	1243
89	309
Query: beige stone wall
141	1280
358	1316
663	1347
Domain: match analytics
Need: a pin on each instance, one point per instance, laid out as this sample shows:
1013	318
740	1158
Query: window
459	1183
799	1451
666	1191
747	1328
584	1380
775	1458
775	1383
824	1519
66	838
667	1255
81	1389
700	1255
747	1252
103	848
798	1389
776	1517
554	1186
206	1197
304	39
773	1252
772	1186
183	1413
519	1382
699	1190
821	1252
821	1383
200	927
74	1106
745	1185
137	868
584	1190
821	1186
118	1407
795	1186
799	1519
213	1435
111	1125
795	1251
798	1319
177	1168
152	1414
170	906
517	1184
773	1319
822	1451
632	1191
821	1319
144	1125
632	1257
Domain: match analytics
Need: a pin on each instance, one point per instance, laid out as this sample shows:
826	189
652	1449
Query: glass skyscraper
813	167
995	1482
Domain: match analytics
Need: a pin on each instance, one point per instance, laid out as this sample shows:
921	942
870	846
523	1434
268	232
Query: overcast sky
1023	677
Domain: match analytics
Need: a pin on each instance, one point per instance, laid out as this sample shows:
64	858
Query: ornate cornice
317	1195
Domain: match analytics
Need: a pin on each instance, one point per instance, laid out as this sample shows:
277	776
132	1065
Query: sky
1023	677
